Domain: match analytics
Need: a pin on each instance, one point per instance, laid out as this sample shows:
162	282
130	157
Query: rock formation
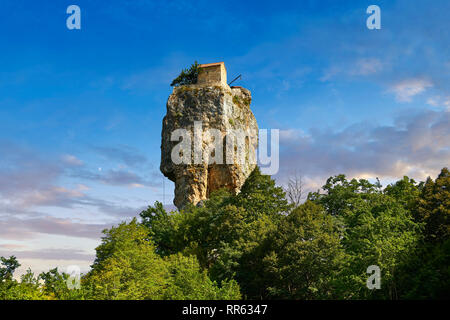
197	108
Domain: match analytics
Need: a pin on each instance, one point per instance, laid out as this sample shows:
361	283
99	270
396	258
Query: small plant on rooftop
187	76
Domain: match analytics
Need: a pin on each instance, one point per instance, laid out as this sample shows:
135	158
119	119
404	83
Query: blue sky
81	110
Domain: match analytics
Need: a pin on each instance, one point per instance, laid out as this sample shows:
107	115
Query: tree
305	255
9	266
188	281
255	245
56	287
378	230
242	259
187	76
8	285
226	233
162	228
434	208
426	275
295	190
29	288
260	196
128	267
10	289
405	191
338	191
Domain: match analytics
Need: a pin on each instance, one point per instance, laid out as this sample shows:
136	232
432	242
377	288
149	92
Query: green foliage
338	191
254	245
434	207
128	267
405	191
378	230
187	76
187	281
430	263
260	196
237	100
9	266
304	255
9	289
426	274
27	289
320	250
56	287
161	228
226	233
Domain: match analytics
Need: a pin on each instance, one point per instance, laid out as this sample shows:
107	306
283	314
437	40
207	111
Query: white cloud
360	67
367	66
405	90
71	160
416	145
437	101
433	101
54	195
330	73
291	134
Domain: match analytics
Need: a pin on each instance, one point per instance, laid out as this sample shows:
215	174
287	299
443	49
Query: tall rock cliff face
210	107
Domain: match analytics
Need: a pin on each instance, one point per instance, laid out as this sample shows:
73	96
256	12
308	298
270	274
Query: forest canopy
259	245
